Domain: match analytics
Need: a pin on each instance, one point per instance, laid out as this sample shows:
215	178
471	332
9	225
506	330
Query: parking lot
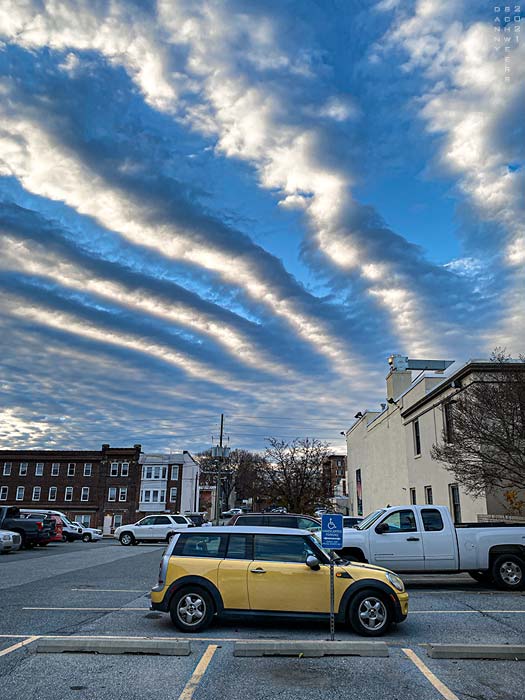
101	590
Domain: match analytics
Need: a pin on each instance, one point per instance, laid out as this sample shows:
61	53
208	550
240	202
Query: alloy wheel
191	609
511	573
372	613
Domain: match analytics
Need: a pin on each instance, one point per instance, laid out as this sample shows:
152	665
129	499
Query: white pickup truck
423	539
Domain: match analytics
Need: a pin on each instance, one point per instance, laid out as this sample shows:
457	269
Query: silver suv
152	528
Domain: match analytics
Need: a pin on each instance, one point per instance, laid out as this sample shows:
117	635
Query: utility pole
219	475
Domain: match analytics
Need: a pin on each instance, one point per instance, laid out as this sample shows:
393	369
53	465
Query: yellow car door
233	573
280	580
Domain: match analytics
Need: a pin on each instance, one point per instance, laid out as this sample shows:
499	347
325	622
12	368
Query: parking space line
200	670
438	685
18	645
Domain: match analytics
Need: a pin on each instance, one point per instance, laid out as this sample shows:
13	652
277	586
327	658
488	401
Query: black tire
127	538
65	538
169	537
370	613
192	609
508	572
86	537
482	577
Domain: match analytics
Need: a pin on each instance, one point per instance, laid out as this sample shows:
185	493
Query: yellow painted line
438	685
19	645
199	672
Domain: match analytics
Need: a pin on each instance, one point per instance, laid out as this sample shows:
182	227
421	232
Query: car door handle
258	571
412	539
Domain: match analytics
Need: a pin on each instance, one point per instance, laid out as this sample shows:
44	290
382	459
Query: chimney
397	382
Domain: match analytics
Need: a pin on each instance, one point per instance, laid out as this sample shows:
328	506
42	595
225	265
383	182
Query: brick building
334	468
98	488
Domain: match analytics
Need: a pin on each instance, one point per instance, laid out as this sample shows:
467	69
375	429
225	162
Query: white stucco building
389	460
169	483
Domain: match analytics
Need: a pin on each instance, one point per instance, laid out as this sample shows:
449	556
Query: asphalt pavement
101	590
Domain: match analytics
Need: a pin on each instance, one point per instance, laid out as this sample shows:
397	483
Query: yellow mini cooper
270	571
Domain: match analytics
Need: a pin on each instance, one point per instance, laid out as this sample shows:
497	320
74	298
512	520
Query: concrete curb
477	651
309	648
161	647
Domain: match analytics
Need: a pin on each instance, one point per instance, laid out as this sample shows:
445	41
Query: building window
175	472
22	469
39	469
36	493
359	492
123	494
88	469
124	470
114	469
156	473
455	505
147	472
69	493
3	493
112	494
417	438
117	521
448	426
84	520
173	495
20	493
71	470
163	496
52	495
429	499
155	496
413	498
55	469
84	496
7	468
147	496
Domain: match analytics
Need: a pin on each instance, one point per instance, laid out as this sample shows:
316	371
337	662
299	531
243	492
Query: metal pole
332	616
218	495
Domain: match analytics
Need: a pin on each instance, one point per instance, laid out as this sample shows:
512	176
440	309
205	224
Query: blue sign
332	530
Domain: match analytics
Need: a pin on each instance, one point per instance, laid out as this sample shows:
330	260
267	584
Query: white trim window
22	469
112	494
55	469
36	493
39	469
88	469
3	493
71	469
147	472
84	495
117	521
114	469
52	494
147	496
124	469
173	494
69	493
123	494
7	468
175	472
20	493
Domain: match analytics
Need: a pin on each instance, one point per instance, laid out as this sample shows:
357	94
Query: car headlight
395	581
6	537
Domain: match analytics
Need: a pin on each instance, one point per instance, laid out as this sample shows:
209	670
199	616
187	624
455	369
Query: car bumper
401	607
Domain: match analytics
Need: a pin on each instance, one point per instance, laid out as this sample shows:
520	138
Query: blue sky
245	208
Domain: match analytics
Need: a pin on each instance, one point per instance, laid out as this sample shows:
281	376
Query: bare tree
484	439
240	472
294	475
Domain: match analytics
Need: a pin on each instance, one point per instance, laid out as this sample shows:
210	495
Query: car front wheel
191	609
86	537
370	614
126	539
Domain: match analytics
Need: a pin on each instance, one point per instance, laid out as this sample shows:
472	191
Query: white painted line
19	645
196	676
438	685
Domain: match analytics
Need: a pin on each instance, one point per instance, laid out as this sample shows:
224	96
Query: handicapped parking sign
332	530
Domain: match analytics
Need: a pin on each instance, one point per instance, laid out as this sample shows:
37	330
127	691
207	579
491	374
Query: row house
169	483
98	488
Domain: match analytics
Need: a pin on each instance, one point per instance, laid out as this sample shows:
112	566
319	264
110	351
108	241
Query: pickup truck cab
423	539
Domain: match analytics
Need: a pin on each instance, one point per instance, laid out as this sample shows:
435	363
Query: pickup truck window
369	520
401	521
432	520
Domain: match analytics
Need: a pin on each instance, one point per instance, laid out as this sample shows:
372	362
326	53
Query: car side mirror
382	528
313	562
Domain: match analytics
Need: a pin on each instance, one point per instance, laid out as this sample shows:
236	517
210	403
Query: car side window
282	521
432	520
200	545
286	548
401	521
307	524
255	520
179	519
162	520
240	547
147	521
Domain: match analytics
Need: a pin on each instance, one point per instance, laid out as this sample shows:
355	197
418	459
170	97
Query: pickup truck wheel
370	614
86	537
191	609
126	539
482	576
508	572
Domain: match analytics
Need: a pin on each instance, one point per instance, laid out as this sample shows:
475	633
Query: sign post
332	538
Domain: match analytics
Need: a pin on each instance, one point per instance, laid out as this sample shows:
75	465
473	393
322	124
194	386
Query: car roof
246	530
273	515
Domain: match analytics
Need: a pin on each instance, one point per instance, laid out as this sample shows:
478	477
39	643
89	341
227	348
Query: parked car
152	528
423	539
199	519
320	511
351	520
32	532
303	522
91	534
270	571
232	511
70	531
9	541
57	534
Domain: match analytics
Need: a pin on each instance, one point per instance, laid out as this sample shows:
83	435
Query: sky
245	207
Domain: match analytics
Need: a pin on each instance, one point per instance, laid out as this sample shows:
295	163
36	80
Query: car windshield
369	520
